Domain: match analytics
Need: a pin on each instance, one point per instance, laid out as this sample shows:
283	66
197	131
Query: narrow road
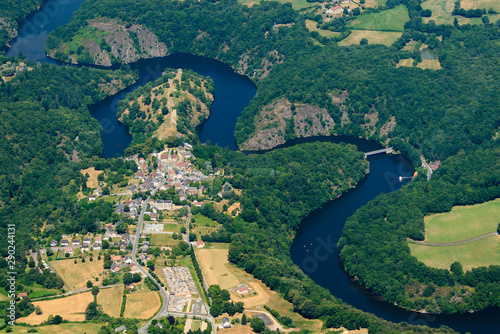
426	166
452	243
164	295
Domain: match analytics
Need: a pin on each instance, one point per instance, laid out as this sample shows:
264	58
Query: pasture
483	252
387	20
76	275
374	37
141	305
463	222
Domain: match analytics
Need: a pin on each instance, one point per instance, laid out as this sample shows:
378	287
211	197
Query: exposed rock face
263	69
128	44
271	125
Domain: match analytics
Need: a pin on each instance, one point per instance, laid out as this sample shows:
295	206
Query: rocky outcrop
283	120
112	41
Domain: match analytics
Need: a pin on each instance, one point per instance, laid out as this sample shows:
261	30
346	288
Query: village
155	254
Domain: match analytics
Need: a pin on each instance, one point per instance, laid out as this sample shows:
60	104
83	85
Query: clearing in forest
373	37
463	222
387	20
312	26
483	252
93	174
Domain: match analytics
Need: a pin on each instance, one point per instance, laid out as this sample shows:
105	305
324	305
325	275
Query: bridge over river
385	150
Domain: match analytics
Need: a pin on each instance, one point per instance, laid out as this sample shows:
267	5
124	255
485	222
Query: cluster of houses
69	246
173	170
333	7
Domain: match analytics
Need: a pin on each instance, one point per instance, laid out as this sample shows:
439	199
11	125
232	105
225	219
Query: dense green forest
11	12
279	189
377	232
432	115
47	136
448	115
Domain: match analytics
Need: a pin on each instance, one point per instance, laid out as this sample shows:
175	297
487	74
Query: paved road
163	293
429	169
452	243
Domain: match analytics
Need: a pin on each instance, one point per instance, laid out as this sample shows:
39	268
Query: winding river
320	231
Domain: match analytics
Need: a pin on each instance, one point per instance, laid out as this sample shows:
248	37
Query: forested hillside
46	130
172	105
11	12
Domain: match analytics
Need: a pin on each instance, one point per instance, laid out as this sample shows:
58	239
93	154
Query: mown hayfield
430	64
375	3
142	305
463	222
483	252
480	4
111	300
216	268
70	308
387	20
92	181
64	328
373	37
77	275
311	25
405	62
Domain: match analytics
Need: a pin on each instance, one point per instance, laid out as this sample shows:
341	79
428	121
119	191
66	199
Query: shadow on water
314	248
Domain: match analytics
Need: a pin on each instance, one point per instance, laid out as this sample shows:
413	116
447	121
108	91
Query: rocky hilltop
105	42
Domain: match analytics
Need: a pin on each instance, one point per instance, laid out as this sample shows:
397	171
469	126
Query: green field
159	240
483	252
64	328
373	37
463	222
387	20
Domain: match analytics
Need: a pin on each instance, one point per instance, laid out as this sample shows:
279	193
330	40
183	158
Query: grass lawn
111	300
77	275
141	305
311	25
392	19
463	222
163	240
173	227
483	252
64	328
39	291
373	37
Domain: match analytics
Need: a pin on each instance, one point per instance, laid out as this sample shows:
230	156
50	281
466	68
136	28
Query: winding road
452	243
